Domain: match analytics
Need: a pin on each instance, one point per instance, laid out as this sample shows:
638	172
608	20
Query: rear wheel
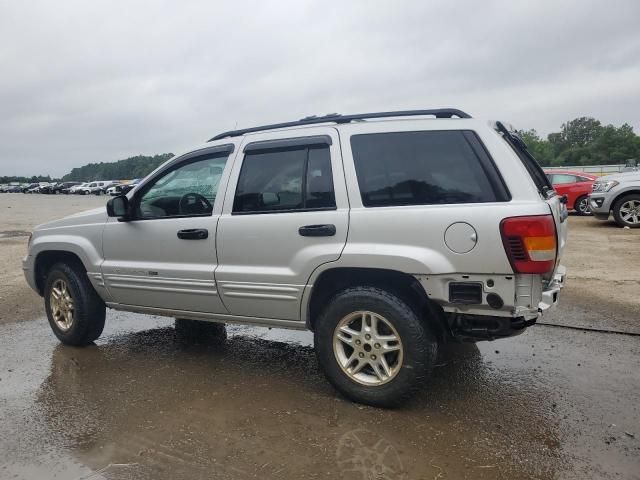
75	311
581	205
373	347
626	211
197	331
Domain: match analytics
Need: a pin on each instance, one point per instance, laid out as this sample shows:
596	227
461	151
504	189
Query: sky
97	81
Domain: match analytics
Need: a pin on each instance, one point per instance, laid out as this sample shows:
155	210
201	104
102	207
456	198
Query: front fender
87	248
82	247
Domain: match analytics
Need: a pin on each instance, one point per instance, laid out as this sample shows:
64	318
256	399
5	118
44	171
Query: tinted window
187	190
418	168
285	180
560	178
319	179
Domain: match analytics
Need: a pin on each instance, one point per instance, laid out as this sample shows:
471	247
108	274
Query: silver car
620	195
386	234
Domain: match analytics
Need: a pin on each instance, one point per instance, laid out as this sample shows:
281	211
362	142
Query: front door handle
193	234
328	230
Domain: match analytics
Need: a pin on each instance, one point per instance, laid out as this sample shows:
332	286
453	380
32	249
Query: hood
620	177
88	217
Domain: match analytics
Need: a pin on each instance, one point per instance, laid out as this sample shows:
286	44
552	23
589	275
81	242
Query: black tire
617	214
419	346
202	332
581	206
89	309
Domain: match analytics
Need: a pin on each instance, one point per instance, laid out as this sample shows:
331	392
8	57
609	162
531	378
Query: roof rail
337	118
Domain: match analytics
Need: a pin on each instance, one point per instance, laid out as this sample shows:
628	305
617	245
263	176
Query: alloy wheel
368	348
630	212
583	206
62	305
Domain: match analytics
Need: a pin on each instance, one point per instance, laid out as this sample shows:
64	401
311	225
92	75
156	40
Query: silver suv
386	234
618	194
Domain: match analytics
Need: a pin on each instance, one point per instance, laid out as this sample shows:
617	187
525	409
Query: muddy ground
555	402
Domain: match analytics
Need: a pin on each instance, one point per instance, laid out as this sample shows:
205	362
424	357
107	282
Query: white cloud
98	81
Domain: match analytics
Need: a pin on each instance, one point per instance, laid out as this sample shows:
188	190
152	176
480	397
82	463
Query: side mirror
270	199
118	207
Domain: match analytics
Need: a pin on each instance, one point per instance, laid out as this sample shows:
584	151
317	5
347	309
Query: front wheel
373	347
582	206
75	311
626	211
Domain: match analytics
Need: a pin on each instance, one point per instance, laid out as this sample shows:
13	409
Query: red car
575	185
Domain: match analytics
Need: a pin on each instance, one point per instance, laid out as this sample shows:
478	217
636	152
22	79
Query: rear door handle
193	234
328	230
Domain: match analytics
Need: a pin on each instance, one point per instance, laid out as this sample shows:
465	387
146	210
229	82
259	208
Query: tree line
584	141
133	167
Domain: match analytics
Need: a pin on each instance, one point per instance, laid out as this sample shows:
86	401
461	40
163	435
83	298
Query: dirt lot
554	402
19	213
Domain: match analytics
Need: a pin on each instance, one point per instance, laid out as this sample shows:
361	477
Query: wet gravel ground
554	402
551	403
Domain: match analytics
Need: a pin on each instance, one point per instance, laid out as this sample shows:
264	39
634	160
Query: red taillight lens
530	243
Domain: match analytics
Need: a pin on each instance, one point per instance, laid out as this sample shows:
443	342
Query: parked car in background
26	188
112	189
37	188
47	189
576	186
124	188
75	189
95	188
618	194
13	189
62	186
631	165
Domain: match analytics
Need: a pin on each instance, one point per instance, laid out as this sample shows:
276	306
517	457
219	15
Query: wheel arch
47	259
621	195
333	280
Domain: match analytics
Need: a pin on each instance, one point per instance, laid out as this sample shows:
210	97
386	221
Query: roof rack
337	118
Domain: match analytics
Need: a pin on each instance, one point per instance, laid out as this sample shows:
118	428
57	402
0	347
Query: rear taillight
530	243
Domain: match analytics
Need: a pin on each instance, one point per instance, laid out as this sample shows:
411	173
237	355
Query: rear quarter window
424	168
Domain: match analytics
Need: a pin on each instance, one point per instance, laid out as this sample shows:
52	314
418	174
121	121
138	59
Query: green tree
129	168
580	132
539	148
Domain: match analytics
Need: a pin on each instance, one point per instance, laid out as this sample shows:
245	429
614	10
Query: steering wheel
194	203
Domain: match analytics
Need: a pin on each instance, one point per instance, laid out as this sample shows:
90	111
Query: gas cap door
460	237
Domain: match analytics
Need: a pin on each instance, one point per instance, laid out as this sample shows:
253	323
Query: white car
114	189
77	188
95	188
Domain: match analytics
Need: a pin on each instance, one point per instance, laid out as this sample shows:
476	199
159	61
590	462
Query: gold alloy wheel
62	305
367	348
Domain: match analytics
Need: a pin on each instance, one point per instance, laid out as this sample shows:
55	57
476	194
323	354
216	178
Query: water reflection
259	407
362	454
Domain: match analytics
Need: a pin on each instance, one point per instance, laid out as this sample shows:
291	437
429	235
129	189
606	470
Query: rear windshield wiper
531	164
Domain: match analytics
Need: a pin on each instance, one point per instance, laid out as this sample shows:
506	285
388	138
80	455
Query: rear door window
285	180
424	168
